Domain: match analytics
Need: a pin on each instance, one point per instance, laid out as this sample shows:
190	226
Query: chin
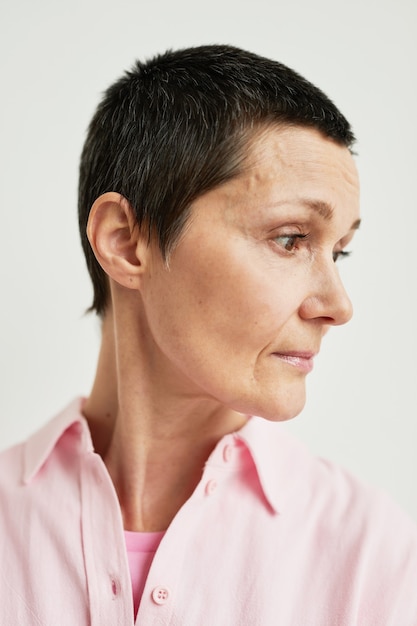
281	414
275	409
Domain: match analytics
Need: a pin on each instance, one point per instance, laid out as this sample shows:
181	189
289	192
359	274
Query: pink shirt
272	536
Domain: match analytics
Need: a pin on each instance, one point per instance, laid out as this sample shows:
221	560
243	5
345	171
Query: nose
328	300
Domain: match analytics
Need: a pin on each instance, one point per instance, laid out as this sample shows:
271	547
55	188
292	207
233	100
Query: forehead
290	153
287	171
295	166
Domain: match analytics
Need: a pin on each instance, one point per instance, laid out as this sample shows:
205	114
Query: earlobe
114	236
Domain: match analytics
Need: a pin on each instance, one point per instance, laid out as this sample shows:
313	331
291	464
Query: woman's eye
288	242
340	254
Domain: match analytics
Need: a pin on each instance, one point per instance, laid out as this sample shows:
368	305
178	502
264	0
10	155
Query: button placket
223	455
106	570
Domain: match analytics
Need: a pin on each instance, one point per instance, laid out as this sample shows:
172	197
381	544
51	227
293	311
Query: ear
116	240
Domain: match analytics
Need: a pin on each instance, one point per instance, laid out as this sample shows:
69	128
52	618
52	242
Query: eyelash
293	237
340	254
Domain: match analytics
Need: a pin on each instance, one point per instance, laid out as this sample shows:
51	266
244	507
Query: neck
101	407
153	434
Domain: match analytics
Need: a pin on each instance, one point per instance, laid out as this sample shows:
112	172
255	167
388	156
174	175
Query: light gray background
57	57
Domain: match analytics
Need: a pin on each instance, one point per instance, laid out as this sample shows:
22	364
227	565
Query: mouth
303	361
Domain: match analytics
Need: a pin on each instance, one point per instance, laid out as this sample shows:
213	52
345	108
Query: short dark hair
176	126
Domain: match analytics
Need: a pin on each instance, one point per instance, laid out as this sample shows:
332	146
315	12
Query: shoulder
342	543
324	497
291	472
347	507
38	478
377	539
358	535
361	519
358	528
361	507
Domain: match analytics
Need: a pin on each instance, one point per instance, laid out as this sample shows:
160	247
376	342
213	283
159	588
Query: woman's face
253	284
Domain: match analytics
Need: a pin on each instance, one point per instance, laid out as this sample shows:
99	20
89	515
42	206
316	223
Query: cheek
214	332
212	315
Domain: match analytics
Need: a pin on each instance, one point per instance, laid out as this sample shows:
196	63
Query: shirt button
160	595
227	453
211	487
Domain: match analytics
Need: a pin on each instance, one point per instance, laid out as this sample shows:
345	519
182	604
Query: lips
303	361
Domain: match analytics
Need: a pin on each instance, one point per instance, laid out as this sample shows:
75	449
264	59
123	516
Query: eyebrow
325	210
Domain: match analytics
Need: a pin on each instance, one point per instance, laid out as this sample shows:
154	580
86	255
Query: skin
229	328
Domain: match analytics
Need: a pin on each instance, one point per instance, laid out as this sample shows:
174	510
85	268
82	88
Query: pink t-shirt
271	535
141	548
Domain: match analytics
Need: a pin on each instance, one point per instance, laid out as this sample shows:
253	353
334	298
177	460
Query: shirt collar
40	445
279	459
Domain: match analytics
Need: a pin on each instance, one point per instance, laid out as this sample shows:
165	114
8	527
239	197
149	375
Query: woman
217	193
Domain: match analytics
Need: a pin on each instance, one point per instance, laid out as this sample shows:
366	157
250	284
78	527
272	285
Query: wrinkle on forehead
290	166
275	154
287	145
